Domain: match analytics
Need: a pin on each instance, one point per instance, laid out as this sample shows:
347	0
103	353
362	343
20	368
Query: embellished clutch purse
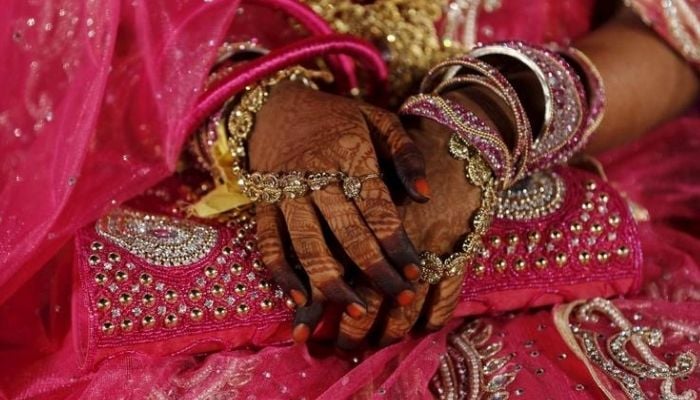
559	235
153	281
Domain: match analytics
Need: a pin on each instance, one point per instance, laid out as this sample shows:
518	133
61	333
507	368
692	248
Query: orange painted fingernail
406	297
355	310
301	333
422	187
298	297
411	271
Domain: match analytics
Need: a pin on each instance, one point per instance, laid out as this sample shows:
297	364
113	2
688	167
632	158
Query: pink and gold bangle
442	76
564	125
594	86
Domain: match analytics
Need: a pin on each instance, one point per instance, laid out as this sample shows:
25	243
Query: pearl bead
501	265
100	278
148	322
242	309
555	235
210	272
614	220
591	186
623	251
103	304
170	296
217	290
266	304
561	259
541	263
603	256
534	237
236	268
220	312
264	285
196	314
108	328
127	325
227	251
520	265
584	257
587	206
96	246
240	289
114	257
94	259
596	229
121	276
146	279
195	295
576	227
125	299
170	320
258	265
148	300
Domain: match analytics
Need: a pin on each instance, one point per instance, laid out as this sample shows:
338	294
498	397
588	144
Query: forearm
646	81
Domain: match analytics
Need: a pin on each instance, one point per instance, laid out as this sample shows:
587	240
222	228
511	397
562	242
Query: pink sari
96	105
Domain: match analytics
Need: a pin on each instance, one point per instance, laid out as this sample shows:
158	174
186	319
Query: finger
360	244
381	215
353	331
442	301
323	270
400	320
307	318
269	230
405	155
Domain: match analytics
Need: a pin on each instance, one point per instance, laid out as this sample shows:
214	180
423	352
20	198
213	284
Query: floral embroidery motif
472	368
624	367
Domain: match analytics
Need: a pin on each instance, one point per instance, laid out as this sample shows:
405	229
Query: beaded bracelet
474	142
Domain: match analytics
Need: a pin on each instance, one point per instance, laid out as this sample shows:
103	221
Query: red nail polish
406	297
355	310
301	333
422	187
298	297
411	271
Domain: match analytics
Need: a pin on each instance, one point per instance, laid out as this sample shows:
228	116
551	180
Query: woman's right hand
300	129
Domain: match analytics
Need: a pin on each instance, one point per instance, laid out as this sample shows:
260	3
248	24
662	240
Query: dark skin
624	50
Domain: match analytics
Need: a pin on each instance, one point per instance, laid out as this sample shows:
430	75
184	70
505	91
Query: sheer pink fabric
91	114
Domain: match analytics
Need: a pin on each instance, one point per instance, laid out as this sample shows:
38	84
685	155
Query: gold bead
623	251
121	276
512	240
603	197
94	259
258	265
561	259
210	272
249	246
148	322
587	205
555	234
146	279
170	296
495	241
240	289
196	314
614	220
501	265
479	269
534	237
236	268
596	229
103	304
290	304
127	325
266	304
195	295
125	299
520	265
576	227
217	290
603	256
220	312
591	186
264	285
96	246
108	328
584	257
227	251
114	257
541	263
100	278
170	320
148	299
242	309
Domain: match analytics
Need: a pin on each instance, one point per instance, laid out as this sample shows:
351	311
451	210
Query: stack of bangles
573	96
574	102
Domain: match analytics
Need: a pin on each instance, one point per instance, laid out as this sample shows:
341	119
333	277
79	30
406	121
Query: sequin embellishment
157	239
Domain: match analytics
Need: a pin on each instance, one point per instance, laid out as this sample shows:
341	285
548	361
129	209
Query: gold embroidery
622	366
471	368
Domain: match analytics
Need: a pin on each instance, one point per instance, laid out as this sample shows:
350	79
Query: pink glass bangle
563	130
439	77
468	126
595	88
